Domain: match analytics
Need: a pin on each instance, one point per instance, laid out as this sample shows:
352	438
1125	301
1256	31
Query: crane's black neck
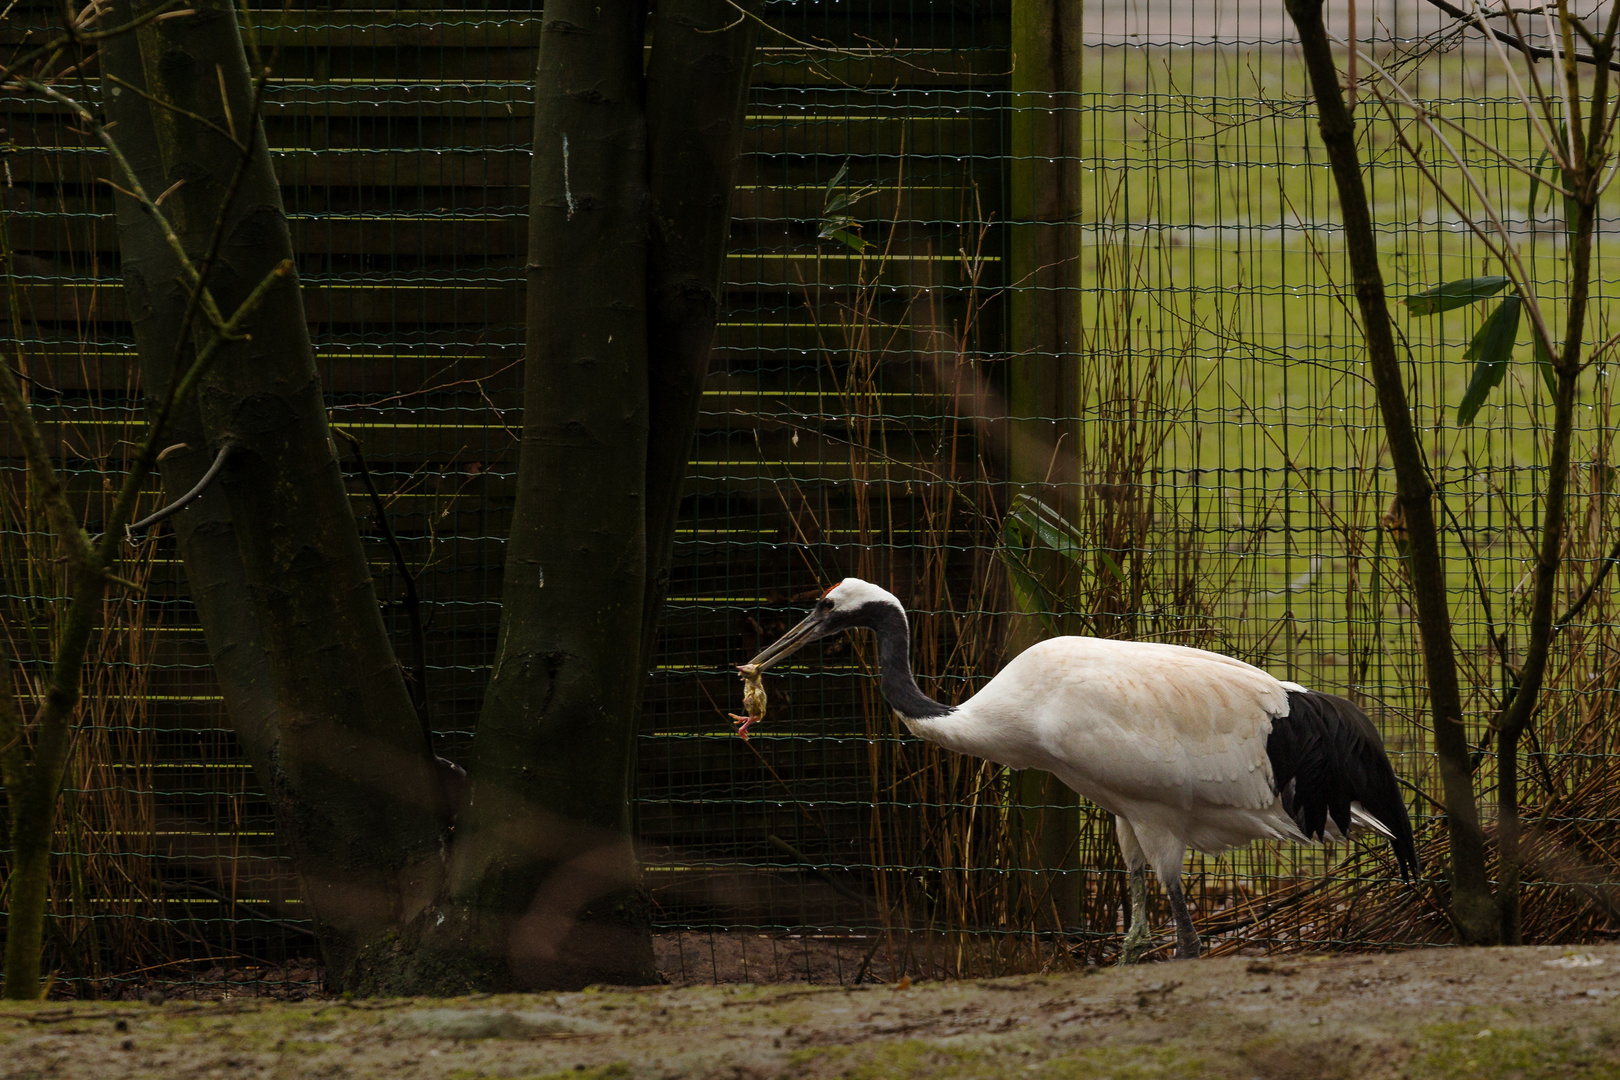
900	689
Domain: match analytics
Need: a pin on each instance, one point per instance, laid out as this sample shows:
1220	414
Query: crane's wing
1137	722
1328	760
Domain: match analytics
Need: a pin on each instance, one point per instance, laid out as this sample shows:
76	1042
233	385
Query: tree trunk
1516	715
282	585
31	806
544	849
1473	911
541	886
697	90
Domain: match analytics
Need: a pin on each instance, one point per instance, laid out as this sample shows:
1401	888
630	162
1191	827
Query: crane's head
847	605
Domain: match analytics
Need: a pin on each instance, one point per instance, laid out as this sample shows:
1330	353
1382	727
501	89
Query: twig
1591	590
206	267
1535	52
185	500
1420	793
859	54
810	868
413	606
1508	254
56	44
136	191
1479	580
229	136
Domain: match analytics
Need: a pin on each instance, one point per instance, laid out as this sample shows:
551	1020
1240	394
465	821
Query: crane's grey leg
1139	938
1188	947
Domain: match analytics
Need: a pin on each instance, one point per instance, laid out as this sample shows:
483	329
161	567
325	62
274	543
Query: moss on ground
1471	1052
1337	1018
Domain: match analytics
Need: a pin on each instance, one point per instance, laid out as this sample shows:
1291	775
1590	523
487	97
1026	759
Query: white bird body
1172	739
1182	746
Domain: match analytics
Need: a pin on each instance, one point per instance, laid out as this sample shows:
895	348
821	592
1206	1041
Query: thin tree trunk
32	810
1473	910
1591	151
697	90
544	853
281	581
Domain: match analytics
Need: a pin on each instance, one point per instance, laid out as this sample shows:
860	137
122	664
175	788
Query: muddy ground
1517	1013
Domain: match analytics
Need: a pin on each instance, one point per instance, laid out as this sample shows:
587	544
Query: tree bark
282	585
697	91
1473	910
544	851
541	886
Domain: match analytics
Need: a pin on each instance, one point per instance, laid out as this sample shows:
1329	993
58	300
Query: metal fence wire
1112	306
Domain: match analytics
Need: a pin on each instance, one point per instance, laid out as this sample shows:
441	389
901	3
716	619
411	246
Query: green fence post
1043	327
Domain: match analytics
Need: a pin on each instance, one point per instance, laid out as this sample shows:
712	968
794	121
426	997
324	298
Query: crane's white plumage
1186	748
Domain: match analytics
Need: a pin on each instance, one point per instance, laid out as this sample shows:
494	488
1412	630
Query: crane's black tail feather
1326	754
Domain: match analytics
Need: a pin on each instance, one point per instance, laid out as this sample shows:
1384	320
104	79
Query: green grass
1205	181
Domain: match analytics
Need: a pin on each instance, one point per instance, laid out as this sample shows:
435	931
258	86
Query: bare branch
1591	589
57	44
1535	52
1513	77
170	106
64	524
134	191
185	500
1522	280
413	605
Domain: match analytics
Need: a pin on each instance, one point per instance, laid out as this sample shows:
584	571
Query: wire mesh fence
967	310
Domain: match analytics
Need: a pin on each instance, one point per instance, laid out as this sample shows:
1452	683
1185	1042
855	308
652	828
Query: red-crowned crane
1185	748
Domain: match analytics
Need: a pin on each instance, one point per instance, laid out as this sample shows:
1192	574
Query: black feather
1326	754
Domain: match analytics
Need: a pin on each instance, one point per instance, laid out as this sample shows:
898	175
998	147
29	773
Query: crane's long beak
813	627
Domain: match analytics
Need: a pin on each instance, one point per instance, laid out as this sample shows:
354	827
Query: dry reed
103	888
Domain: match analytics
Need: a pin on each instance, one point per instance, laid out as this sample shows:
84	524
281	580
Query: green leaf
1029	594
1455	294
1490	350
838	178
845	237
1049	528
1113	567
1549	377
1535	182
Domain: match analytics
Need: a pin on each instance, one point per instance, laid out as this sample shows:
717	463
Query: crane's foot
1138	940
1188	947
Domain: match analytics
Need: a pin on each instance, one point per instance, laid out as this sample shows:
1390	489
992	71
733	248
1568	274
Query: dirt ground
1519	1013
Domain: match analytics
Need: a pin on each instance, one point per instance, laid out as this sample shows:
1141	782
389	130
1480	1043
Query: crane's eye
824	605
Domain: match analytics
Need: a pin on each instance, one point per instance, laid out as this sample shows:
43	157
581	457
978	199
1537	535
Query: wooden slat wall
401	138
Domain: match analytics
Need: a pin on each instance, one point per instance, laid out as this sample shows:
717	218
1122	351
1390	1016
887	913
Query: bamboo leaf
1549	376
1490	350
847	238
1049	528
1029	595
832	225
1535	183
1455	294
1113	567
838	178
